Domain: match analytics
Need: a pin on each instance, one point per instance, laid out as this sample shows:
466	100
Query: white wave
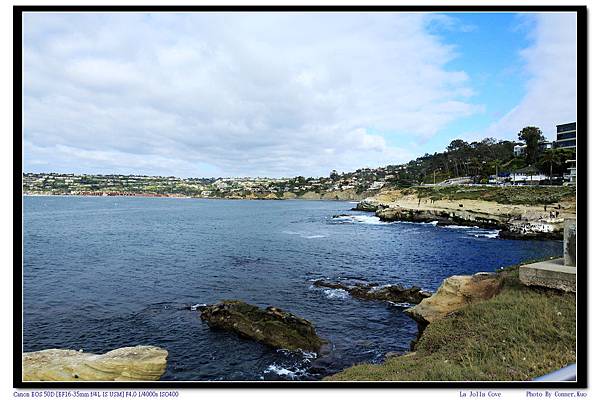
279	370
314	236
460	227
196	306
403	305
361	219
307	355
304	235
340	294
487	234
434	223
379	287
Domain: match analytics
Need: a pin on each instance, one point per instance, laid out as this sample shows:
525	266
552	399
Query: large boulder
373	291
139	363
455	293
271	326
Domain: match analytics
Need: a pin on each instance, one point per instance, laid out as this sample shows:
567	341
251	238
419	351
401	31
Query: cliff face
515	221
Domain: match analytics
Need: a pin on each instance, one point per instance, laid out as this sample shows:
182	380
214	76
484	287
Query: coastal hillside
479	162
520	334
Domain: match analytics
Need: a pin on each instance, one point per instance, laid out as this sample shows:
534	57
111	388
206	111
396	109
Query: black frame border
582	197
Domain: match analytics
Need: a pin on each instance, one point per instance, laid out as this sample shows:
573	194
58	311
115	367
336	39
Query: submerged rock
372	291
139	363
341	216
271	326
455	293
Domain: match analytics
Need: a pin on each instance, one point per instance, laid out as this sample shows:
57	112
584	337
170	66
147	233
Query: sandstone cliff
515	221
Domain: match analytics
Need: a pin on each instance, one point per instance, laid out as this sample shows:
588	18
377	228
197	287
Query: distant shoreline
356	201
88	195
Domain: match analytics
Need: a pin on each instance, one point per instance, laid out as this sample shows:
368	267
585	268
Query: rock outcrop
532	230
139	363
513	220
271	326
373	291
443	217
455	293
369	204
510	226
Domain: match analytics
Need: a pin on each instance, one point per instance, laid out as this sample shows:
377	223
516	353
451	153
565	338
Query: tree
457	145
554	161
532	136
550	159
496	164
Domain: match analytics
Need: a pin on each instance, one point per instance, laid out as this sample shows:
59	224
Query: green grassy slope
520	334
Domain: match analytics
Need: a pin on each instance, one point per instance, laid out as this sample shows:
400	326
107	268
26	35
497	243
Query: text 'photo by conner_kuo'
251	197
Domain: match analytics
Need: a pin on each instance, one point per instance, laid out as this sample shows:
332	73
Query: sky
284	94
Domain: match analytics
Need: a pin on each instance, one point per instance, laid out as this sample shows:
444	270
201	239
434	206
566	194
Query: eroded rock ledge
139	363
513	223
373	291
271	326
455	293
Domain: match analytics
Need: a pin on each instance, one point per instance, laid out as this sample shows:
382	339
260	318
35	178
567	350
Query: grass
529	195
520	334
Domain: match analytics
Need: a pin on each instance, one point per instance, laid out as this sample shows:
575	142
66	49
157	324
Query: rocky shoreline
374	291
514	221
139	363
270	326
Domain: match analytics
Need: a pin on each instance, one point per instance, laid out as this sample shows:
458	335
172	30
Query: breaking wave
475	231
459	227
360	219
305	235
336	294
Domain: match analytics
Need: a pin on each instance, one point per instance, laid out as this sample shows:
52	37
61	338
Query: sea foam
360	219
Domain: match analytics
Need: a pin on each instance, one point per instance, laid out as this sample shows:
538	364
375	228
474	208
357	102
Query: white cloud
551	64
233	94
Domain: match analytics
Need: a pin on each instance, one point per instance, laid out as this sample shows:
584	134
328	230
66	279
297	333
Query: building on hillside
566	136
545	145
519	149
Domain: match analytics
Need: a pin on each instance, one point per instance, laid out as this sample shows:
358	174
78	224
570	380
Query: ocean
101	273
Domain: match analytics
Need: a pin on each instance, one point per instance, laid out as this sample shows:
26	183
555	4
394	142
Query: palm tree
551	158
496	163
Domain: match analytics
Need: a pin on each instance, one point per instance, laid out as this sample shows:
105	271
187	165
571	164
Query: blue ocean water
106	272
